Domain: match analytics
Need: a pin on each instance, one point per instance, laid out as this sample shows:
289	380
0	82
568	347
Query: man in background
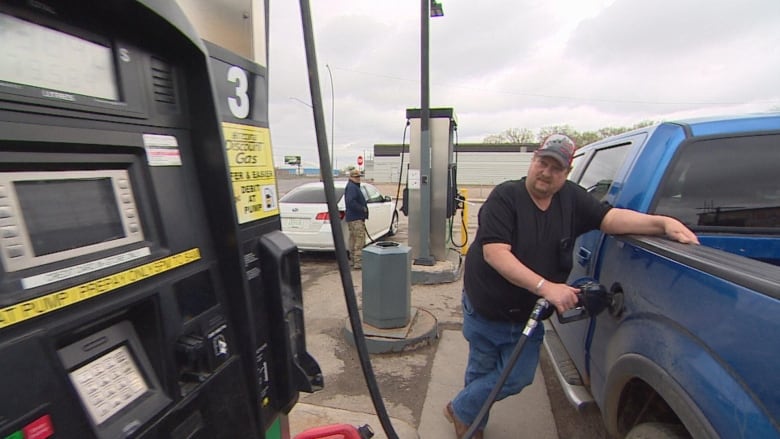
356	216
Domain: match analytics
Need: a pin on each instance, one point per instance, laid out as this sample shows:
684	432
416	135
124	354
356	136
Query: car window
309	195
724	183
601	170
371	193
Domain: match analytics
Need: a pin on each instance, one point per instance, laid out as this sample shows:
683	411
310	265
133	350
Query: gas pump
443	178
267	281
134	300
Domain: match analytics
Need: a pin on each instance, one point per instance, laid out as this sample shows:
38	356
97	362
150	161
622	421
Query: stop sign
360	160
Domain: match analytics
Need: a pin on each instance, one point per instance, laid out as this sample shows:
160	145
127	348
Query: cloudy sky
504	64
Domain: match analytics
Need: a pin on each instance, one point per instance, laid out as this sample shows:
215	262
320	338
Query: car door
379	212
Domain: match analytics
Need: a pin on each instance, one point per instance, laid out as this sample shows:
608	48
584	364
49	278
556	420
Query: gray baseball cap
558	146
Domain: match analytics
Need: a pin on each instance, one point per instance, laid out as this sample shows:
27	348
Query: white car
305	219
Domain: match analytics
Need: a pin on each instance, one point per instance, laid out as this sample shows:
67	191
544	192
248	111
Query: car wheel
393	225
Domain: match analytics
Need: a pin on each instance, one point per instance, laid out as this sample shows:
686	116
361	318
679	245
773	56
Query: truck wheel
657	430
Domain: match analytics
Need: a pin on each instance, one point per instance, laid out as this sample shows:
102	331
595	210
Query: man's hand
677	231
562	296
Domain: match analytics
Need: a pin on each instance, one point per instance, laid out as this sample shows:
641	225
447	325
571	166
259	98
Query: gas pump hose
338	234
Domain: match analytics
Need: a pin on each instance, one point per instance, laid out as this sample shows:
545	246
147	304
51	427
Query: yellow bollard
464	225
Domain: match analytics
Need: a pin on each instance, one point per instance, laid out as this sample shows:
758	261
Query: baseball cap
559	147
354	173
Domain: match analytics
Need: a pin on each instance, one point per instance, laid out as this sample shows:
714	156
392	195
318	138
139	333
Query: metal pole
332	118
424	253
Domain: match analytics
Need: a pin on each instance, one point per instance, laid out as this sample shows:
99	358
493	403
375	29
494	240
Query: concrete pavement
525	415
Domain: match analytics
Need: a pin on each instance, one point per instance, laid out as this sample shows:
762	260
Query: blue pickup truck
689	342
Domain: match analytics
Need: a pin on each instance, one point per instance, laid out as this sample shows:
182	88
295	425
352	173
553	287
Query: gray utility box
387	283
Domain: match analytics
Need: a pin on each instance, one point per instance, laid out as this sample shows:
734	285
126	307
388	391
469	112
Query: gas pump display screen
109	383
67	214
37	56
54	216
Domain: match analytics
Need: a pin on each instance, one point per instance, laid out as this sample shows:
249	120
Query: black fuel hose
326	172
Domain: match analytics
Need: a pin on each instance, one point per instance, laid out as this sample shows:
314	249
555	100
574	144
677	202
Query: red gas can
337	431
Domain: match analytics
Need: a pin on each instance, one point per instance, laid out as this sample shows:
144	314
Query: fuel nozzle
460	199
592	299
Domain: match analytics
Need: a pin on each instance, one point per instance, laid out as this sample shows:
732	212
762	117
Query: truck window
576	163
728	182
601	170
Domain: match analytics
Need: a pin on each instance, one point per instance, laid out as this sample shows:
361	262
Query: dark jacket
357	207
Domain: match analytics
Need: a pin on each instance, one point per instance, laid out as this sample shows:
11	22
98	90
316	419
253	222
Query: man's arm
625	221
500	257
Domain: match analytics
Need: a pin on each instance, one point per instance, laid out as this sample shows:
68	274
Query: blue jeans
490	346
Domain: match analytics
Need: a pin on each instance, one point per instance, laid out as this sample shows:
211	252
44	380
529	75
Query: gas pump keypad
109	383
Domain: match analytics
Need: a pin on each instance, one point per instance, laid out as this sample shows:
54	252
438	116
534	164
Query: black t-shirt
541	240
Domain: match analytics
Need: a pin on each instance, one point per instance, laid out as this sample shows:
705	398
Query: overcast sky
504	64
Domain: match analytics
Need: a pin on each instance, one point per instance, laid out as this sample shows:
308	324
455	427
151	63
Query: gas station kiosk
145	288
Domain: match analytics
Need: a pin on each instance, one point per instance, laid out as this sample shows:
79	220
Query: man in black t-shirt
522	251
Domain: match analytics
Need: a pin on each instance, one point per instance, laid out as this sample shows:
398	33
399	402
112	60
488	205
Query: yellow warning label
20	312
251	165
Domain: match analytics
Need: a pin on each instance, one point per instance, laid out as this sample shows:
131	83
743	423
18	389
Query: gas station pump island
146	289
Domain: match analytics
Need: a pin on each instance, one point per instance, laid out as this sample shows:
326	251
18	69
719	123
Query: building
477	163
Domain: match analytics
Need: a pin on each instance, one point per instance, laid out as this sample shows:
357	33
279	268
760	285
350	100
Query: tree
524	135
545	132
512	135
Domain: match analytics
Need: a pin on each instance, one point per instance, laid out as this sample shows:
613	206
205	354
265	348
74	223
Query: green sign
292	160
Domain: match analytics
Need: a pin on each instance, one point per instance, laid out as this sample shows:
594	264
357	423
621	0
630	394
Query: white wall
474	168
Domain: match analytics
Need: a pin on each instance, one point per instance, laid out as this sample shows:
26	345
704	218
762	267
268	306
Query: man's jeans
490	346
